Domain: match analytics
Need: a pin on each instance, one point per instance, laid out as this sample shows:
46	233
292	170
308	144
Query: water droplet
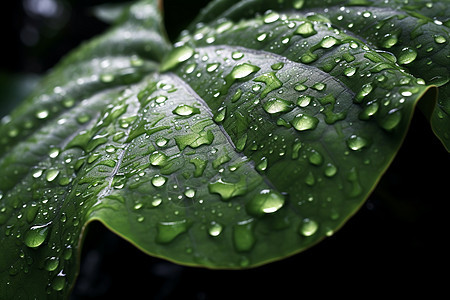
366	89
158	158
161	141
236	55
389	41
298	4
391	120
328	42
243	236
308	227
186	110
439	39
221	114
350	71
262	165
156	201
215	229
168	231
37	173
107	78
369	111
51	263
51	175
212	67
271	17
42	114
315	158
277	105
330	170
158	180
31	212
53	153
277	66
319	86
243	70
59	282
228	190
407	56
306	29
356	143
266	202
177	56
304	101
190	193
261	37
36	235
304	122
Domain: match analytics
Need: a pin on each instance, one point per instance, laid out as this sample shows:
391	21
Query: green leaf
257	136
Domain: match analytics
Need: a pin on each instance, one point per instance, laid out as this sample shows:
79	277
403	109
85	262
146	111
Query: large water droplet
243	70
304	122
266	202
168	231
298	4
328	42
439	39
51	263
243	236
36	235
306	29
228	190
158	180
407	56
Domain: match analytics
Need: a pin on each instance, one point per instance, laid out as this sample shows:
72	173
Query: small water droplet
330	170
350	71
158	180
243	70
266	202
262	165
271	17
366	89
319	86
185	110
158	158
407	56
328	42
308	227
42	114
156	201
51	263
51	175
306	29
59	282
215	229
298	4
107	78
236	55
304	101
161	141
389	41
439	39
277	105
392	119
261	37
304	122
190	193
356	143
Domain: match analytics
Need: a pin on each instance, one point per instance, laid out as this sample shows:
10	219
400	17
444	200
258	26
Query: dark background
396	245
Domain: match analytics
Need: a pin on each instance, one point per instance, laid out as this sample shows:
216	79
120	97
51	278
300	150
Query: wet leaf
260	133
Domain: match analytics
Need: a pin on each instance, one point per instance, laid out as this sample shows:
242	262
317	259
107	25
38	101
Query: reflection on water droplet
391	120
243	70
271	17
439	39
177	56
59	282
51	175
42	114
298	4
158	159
185	110
328	42
330	170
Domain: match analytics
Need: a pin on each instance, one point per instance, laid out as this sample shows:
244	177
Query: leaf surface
253	139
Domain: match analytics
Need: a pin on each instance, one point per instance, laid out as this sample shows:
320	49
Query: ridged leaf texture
258	134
